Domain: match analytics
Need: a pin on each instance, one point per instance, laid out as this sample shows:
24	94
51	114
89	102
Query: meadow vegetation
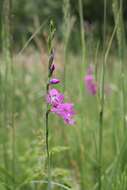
92	153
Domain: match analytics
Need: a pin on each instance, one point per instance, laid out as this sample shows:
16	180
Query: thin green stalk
47	138
6	50
47	149
101	114
82	31
104	28
65	67
101	133
66	29
102	107
53	183
95	60
106	53
13	132
121	46
12	78
50	72
101	123
105	62
8	84
33	36
121	52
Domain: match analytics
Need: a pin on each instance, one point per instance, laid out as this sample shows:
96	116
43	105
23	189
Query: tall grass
102	102
118	7
83	44
121	43
67	26
88	156
8	87
83	67
66	34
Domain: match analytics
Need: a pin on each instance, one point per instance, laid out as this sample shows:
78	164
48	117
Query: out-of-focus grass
74	149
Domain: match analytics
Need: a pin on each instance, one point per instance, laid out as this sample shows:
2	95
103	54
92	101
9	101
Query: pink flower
90	84
54	81
54	97
65	111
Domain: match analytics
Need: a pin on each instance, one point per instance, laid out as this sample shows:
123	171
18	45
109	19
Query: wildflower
65	111
54	81
54	97
90	84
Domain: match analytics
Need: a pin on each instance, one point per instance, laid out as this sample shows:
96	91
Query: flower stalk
51	68
55	102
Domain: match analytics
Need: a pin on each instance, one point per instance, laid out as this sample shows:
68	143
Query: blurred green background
28	15
74	150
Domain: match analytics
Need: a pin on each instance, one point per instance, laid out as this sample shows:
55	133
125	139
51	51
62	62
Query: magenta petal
88	78
69	121
54	97
65	111
54	81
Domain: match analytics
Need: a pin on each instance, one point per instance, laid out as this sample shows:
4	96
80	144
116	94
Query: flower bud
52	68
54	81
51	58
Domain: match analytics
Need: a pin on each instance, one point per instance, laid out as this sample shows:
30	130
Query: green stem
121	47
101	115
13	149
6	49
121	52
12	75
104	29
66	34
50	72
65	69
47	149
84	57
82	32
47	138
8	84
